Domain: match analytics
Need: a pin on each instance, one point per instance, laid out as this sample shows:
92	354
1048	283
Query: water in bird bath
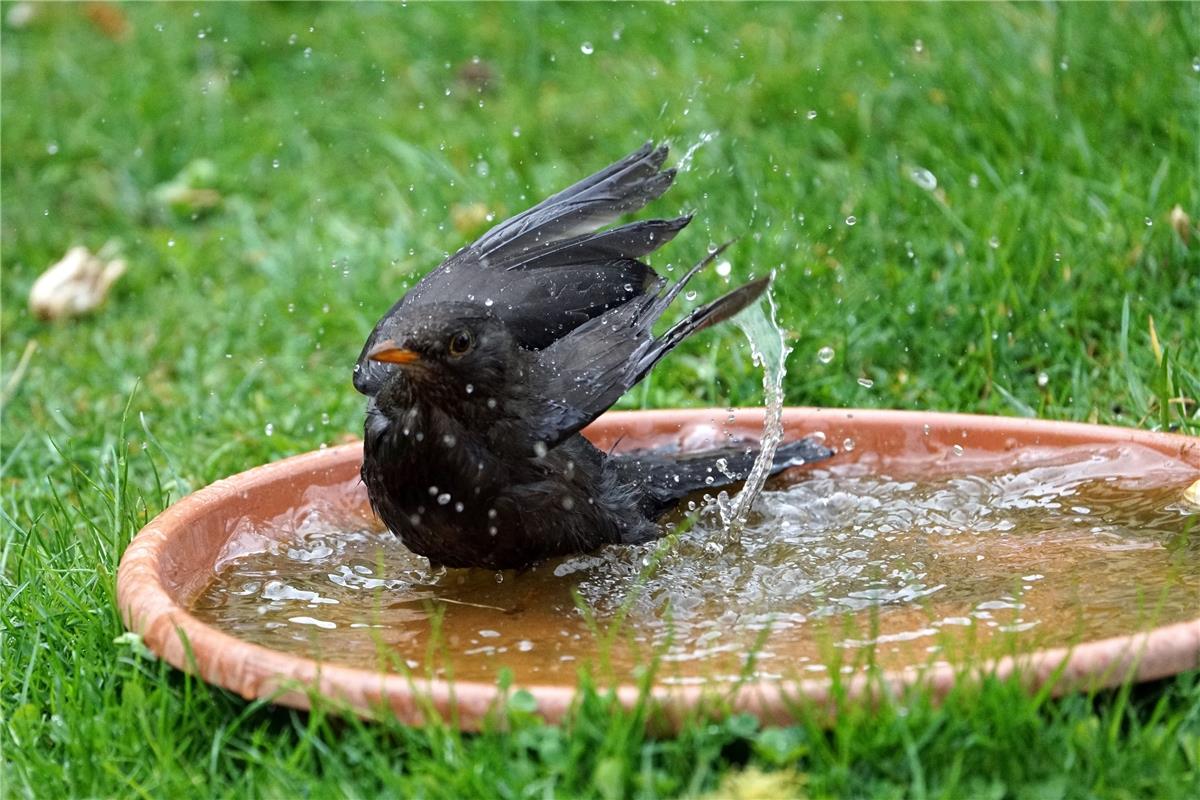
1046	547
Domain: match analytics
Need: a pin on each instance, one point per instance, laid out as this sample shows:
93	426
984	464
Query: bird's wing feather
582	374
588	205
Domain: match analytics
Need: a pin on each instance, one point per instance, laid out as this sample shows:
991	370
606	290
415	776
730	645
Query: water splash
685	163
769	352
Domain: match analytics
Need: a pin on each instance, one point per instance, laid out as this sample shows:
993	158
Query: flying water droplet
825	354
269	430
924	178
994	242
586	48
443	498
851	220
724	268
866	383
812	114
848	445
1043	379
958	449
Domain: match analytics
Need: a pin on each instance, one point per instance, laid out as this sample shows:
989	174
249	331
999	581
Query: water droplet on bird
449	440
586	48
568	503
539	449
443	498
691	295
459	507
470	388
825	354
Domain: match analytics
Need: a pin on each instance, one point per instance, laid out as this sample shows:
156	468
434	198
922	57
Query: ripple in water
1070	544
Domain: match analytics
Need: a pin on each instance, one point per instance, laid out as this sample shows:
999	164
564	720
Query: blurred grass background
353	146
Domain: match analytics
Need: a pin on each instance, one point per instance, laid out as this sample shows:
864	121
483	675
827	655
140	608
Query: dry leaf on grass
75	285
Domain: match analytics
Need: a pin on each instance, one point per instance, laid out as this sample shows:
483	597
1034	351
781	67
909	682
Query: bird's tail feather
668	477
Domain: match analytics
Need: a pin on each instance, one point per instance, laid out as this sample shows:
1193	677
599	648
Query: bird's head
452	354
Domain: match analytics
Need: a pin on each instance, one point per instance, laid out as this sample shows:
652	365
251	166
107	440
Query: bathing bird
481	377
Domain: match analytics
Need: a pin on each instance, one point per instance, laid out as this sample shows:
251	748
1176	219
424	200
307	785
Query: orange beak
389	352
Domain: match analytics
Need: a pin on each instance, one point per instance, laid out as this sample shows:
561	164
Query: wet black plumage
480	378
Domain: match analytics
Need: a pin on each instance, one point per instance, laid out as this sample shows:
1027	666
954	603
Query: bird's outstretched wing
547	270
582	374
586	206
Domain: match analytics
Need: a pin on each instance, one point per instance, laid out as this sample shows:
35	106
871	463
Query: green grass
1061	137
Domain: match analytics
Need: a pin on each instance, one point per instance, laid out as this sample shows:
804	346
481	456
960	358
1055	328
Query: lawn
971	205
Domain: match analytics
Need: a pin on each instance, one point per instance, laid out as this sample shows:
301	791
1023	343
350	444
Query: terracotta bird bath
173	561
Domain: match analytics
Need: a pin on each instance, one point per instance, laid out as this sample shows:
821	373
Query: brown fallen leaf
468	218
109	19
1181	223
75	285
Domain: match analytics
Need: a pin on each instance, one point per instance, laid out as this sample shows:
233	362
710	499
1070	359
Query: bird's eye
461	343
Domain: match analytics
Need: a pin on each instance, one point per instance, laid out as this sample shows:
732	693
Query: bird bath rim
171	560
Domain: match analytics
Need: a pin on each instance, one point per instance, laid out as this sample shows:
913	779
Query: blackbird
480	378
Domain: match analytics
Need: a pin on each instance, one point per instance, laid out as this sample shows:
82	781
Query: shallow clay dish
172	560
